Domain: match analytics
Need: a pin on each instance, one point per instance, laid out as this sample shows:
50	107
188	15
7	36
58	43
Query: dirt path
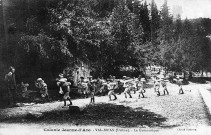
185	110
181	110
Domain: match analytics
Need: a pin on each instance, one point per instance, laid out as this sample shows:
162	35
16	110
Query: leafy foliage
106	34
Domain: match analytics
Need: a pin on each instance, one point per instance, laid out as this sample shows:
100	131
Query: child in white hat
179	83
42	86
157	85
83	86
64	89
128	87
164	85
140	86
110	87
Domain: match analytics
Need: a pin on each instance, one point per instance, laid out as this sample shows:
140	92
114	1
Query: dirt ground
166	113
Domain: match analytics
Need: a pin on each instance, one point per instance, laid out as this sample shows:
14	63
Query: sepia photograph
104	67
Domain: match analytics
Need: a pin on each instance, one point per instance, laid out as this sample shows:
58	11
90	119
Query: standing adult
11	86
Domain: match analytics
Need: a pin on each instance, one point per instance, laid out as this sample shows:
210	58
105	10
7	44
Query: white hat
39	79
181	80
143	79
161	76
61	75
63	80
178	77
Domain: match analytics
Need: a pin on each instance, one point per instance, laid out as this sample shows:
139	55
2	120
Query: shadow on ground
101	115
200	80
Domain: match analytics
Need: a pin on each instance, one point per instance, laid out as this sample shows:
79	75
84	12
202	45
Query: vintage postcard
105	67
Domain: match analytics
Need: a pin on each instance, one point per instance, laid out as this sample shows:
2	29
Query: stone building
77	69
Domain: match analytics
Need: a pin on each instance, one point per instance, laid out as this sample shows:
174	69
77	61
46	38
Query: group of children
129	85
12	87
160	82
133	85
90	86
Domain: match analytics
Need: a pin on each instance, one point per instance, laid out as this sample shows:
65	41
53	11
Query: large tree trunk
202	72
184	75
190	75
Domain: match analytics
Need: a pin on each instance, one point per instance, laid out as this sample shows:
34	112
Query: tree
126	36
166	23
154	31
155	22
145	20
177	28
165	34
103	7
202	29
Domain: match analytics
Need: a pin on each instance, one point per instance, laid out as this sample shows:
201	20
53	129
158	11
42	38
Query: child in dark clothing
92	89
64	89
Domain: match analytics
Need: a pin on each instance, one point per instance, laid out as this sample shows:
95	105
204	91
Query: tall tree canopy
47	35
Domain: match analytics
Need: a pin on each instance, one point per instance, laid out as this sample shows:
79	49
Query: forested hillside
45	36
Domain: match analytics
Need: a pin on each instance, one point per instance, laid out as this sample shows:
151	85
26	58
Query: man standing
11	86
